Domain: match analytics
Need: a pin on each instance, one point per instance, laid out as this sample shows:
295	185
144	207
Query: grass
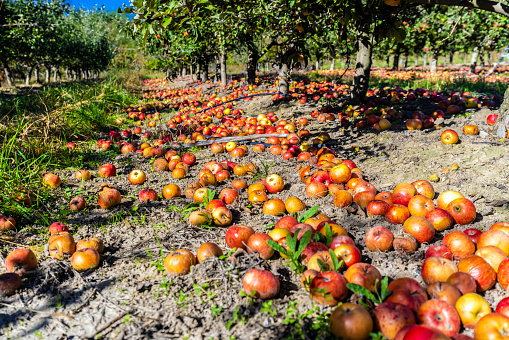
34	129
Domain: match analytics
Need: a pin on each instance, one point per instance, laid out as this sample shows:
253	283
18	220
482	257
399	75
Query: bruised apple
20	261
86	258
379	239
351	321
206	250
483	274
328	288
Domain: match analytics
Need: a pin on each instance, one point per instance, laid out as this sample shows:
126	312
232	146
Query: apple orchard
255	170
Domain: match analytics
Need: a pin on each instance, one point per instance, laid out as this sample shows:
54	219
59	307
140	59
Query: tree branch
487	5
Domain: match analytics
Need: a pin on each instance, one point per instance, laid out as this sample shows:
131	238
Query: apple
109	198
460	244
439	315
436	269
328	288
238	235
222	216
440	219
402	193
107	170
492	326
148	195
391	317
379	239
350	254
7	223
408	292
279	233
341	173
420	228
274	207
503	306
462	210
294	204
179	262
343	198
20	261
449	137
385	196
494	237
51	180
77	204
471	307
9	283
463	281
439	251
286	222
364	275
61	245
257	243
421	332
444	291
83	259
311	249
274	183
262	283
447	197
491	120
503	273
405	244
321	261
480	270
189	159
420	205
83	175
57	228
92	242
316	190
160	164
502	226
377	208
206	250
397	214
351	321
339	240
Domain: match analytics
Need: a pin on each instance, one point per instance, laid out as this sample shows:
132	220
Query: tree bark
481	57
490	61
388	62
7	74
204	68
451	58
222	66
362	67
28	76
501	127
55	74
473	60
434	61
416	60
48	69
252	60
425	61
405	61
282	71
395	62
465	58
332	65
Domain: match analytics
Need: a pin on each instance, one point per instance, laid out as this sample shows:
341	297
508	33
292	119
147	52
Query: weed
293	252
182	300
267	308
250	296
236	319
216	310
378	297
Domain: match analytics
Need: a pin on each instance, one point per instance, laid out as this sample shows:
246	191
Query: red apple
238	235
424	188
440	219
462	210
379	239
439	251
436	269
420	228
377	208
328	288
20	261
391	317
402	193
257	243
480	270
351	321
262	283
473	233
440	315
408	292
274	183
107	170
460	244
397	214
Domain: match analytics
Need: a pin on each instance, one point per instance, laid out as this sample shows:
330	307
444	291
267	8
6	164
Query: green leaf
304	241
292	241
336	263
277	247
309	213
361	291
329	235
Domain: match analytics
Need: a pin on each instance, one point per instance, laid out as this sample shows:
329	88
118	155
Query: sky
110	5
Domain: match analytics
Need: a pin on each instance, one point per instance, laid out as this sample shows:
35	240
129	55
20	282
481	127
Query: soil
129	296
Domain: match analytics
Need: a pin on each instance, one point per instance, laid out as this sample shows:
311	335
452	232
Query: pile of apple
84	255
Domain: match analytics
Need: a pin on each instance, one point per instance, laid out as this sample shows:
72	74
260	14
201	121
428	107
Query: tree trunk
332	65
416	61
222	66
388	62
317	65
28	76
362	67
252	60
48	69
405	61
55	74
481	57
168	73
204	69
67	74
490	61
282	71
191	71
395	62
501	127
434	61
7	74
473	60
451	58
465	58
425	61
184	72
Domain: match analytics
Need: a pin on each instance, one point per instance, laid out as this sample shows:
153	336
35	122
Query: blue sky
110	5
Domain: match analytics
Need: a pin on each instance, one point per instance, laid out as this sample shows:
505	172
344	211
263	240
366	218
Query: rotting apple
92	242
257	243
328	288
379	239
86	258
179	262
391	317
238	235
9	283
480	270
20	261
206	250
50	180
464	282
444	291
109	198
351	321
408	292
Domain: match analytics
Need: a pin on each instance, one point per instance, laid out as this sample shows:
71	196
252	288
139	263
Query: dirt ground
131	297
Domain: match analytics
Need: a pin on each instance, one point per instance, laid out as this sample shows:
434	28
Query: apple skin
148	195
440	251
109	198
84	259
440	315
349	254
422	332
274	183
341	173
20	261
405	244
334	285
494	237
480	270
257	243
51	180
351	321
503	307
179	262
473	233
385	196
78	203
107	170
444	291
462	210
420	205
189	159
460	244
464	282
364	275
57	227
492	327
238	235
286	222
377	208
9	283
391	317
311	249
436	269
493	255
420	228
424	188
408	292
402	193
440	219
397	214
302	228
449	137
447	197
137	177
222	216
379	239
503	273
471	307
339	240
